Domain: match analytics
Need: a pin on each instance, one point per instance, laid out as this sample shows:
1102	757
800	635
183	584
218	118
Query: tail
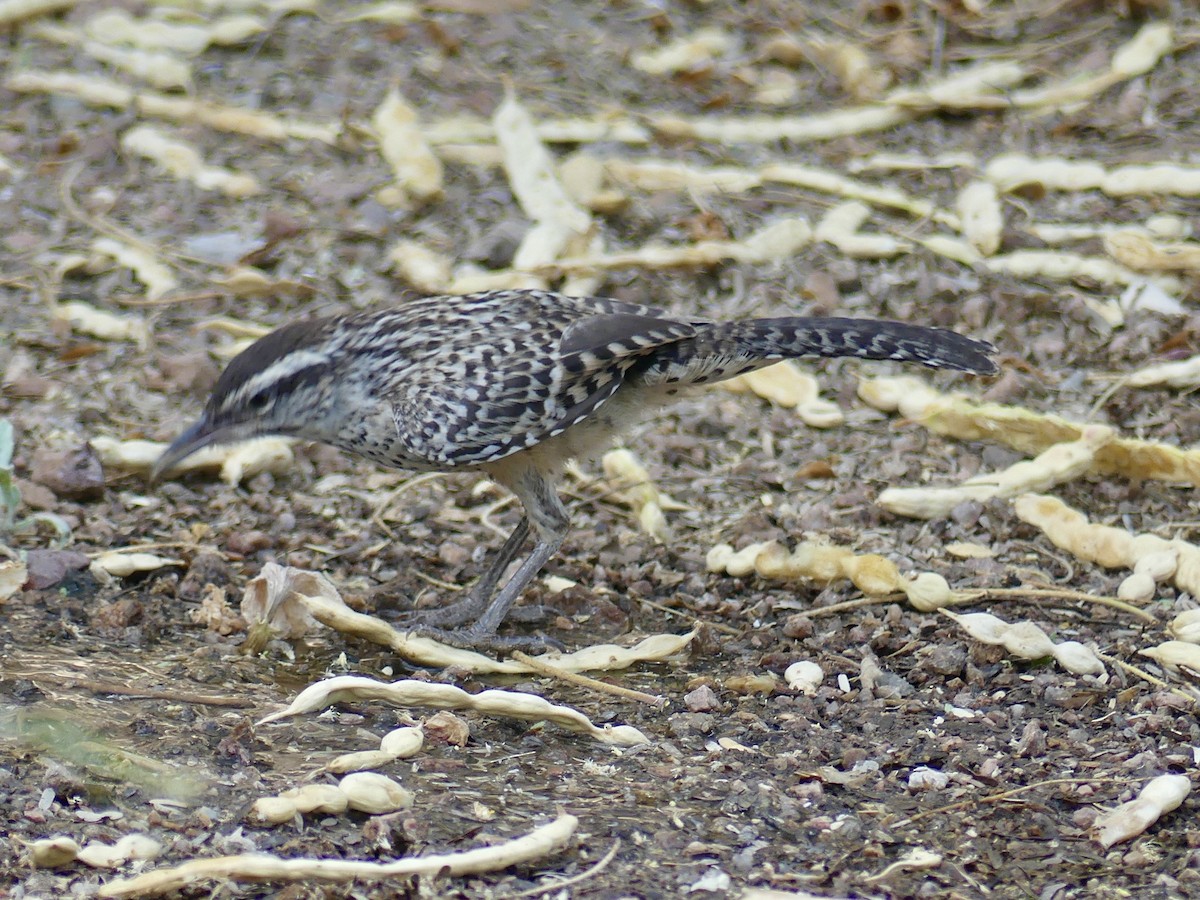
728	349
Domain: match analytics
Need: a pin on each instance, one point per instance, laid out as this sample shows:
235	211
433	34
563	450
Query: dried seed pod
1159	796
636	488
109	856
403	742
870	573
1026	640
373	793
50	853
491	702
1175	655
982	216
321	798
1057	464
1138	588
804	676
929	591
785	385
415	167
115	562
1186	626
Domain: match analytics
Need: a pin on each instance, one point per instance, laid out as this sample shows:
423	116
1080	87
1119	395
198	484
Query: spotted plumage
514	383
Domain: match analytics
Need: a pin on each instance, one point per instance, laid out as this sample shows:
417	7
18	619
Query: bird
516	384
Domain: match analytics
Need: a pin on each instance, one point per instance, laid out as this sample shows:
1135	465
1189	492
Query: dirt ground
120	713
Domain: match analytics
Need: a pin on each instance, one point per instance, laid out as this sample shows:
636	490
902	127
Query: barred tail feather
728	349
936	348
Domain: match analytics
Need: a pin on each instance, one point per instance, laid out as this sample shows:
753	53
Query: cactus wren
514	383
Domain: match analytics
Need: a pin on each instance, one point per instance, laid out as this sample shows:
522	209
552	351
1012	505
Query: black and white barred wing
487	406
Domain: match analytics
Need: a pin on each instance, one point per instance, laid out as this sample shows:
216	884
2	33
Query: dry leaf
784	384
417	171
183	161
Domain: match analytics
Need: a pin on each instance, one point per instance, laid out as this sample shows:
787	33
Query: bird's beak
199	436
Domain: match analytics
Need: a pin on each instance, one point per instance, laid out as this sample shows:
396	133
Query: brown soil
120	714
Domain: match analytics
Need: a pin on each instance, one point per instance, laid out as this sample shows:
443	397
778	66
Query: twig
1007	593
1146	676
1004	795
552	671
174	299
106	687
155	545
848	605
592	872
1064	594
694	619
378	513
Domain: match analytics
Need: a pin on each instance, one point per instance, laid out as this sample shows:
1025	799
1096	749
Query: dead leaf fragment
417	171
99	323
147	268
184	162
687	53
116	562
13	575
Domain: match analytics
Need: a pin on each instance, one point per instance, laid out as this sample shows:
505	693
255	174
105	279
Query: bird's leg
487	623
471	607
546	513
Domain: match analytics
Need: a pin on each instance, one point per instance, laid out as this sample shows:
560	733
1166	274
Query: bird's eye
258	401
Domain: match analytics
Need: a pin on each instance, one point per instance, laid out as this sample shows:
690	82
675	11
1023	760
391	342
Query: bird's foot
469	609
472	638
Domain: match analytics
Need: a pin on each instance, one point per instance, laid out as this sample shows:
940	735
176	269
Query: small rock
1033	740
279	226
890	686
207	568
36	496
923	778
453	554
118	615
244	543
685	724
32	387
71	474
446	728
495	248
702	699
46	568
797	627
192	373
946	659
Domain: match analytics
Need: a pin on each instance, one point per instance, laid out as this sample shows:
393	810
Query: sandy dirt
121	713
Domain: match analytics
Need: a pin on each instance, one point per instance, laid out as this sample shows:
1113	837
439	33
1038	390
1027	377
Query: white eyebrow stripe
283	367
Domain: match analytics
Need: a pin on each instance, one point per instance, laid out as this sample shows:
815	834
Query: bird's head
276	386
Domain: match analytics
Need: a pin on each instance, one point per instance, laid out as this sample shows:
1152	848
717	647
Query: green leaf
10	495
